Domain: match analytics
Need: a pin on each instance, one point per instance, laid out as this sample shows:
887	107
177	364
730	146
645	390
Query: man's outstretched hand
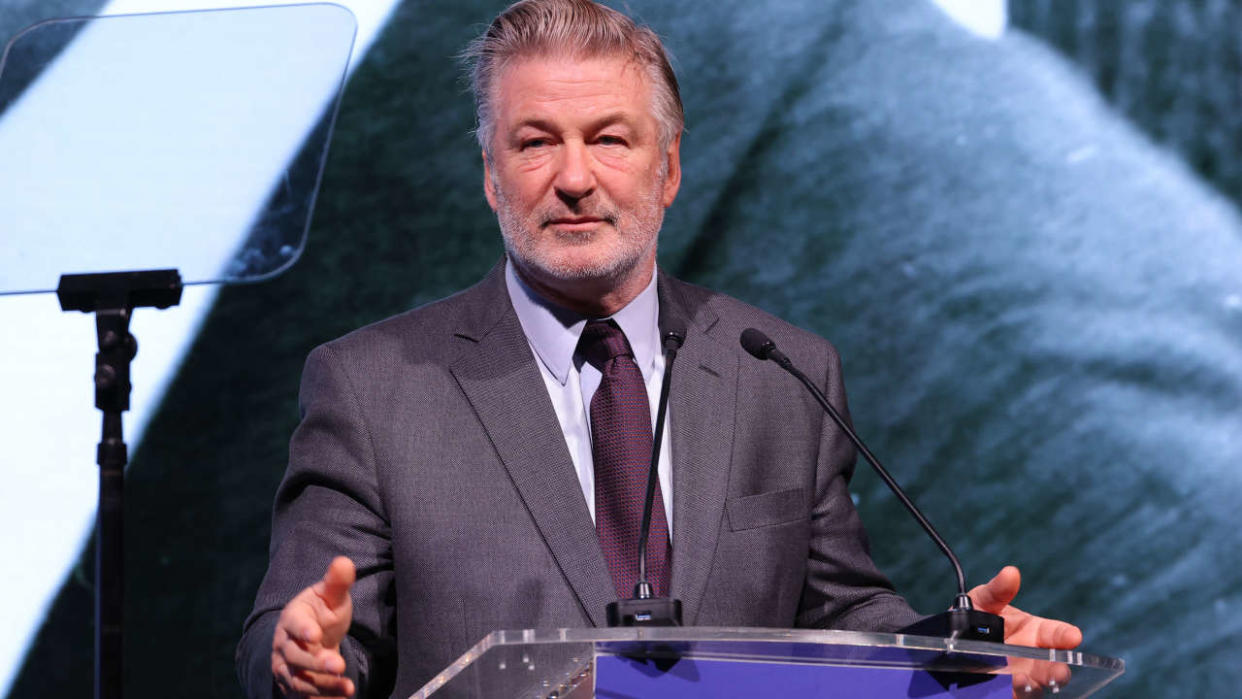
1022	628
306	649
1030	678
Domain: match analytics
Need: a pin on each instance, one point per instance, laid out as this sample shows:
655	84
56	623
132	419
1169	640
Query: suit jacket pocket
765	509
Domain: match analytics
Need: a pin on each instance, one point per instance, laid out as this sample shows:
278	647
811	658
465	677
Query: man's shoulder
727	317
433	332
427	333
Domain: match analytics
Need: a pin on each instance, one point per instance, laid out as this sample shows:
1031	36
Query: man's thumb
337	581
993	595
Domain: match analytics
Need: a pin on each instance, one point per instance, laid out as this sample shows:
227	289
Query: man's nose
575	176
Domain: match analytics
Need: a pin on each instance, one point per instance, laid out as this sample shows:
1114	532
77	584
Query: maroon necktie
621	447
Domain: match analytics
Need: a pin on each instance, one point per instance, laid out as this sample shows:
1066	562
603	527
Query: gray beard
623	259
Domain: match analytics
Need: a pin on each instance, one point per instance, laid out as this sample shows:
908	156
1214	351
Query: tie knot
601	342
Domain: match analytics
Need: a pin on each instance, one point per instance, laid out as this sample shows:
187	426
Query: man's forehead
569	74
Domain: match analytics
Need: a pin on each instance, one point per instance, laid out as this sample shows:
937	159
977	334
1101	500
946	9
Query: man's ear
489	189
672	182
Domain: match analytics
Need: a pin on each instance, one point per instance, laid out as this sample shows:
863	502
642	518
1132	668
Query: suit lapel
702	408
498	374
499	377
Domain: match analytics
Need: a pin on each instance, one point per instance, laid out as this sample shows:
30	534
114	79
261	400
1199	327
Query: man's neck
591	298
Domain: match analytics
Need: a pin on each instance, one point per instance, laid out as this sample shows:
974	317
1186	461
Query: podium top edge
818	637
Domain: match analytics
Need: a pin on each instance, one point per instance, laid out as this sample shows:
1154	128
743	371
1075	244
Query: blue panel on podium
619	677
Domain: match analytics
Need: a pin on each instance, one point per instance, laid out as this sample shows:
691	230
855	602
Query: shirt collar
553	331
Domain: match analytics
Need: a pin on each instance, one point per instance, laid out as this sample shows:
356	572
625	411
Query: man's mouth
576	222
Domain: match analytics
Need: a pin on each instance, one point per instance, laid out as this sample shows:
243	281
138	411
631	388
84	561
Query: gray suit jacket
430	454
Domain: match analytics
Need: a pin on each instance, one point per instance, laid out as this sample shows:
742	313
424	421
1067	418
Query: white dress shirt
553	333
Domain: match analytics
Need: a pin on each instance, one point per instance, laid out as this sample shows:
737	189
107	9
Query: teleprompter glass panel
186	140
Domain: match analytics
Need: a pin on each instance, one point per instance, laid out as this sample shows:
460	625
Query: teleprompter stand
199	164
112	297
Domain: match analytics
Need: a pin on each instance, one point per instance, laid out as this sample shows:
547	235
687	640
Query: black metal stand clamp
112	297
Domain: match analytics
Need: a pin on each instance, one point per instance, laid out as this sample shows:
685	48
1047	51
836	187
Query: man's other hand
1030	678
1021	628
306	649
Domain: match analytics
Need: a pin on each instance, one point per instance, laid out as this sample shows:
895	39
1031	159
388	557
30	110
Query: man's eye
611	140
534	143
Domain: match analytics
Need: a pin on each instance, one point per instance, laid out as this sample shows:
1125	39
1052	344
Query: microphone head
756	343
674	337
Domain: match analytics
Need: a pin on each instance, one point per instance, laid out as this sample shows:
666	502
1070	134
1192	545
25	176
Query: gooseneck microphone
962	620
644	609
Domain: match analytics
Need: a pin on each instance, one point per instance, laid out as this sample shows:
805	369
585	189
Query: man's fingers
334	588
321	684
316	684
298	671
299	657
300	619
998	592
1058	634
307	631
330	662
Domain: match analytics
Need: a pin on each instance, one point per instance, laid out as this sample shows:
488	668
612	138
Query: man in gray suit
447	458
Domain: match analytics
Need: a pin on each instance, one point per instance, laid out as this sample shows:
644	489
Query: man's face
577	175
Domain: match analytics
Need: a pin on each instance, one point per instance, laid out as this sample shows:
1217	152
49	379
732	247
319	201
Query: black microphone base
966	624
657	611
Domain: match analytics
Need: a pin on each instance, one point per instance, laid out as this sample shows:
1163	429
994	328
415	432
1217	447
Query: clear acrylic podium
691	662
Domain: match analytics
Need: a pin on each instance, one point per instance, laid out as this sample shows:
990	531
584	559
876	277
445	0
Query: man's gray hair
578	28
